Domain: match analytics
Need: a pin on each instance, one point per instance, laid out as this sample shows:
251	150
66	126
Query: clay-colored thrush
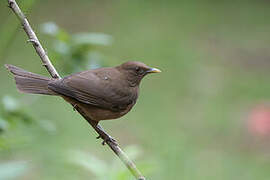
104	93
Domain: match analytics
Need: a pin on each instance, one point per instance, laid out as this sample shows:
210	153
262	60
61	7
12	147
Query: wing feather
92	87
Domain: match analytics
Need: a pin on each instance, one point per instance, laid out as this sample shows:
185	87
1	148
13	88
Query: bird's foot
108	139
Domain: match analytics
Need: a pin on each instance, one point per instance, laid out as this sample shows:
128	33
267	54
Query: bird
103	93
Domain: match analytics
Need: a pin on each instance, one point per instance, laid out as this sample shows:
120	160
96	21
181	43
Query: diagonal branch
33	38
50	68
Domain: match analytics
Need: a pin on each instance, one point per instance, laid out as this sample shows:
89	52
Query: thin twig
9	30
33	39
50	68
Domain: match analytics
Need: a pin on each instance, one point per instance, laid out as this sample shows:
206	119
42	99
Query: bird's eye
139	70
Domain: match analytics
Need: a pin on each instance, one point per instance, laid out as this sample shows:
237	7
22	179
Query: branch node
33	41
10	3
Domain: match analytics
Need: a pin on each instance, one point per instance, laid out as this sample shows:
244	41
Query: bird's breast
99	114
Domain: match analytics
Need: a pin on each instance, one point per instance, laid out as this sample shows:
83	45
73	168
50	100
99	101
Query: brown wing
100	88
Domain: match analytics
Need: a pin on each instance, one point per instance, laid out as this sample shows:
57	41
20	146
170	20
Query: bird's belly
96	113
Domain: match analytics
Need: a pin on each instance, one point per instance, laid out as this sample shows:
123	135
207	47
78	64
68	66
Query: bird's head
135	71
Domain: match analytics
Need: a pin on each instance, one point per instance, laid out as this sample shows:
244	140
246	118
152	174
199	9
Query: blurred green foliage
104	170
11	113
75	52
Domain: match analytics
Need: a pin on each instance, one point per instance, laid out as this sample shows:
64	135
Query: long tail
28	82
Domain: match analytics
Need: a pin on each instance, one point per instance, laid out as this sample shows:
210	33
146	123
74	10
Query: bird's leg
107	137
103	134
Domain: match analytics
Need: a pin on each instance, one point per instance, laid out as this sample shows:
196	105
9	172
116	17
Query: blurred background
206	116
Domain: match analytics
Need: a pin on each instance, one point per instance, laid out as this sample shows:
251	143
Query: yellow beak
153	70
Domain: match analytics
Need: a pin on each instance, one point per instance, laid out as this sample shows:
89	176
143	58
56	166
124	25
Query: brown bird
104	93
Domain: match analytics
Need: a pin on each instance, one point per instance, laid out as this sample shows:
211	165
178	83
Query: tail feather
28	82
